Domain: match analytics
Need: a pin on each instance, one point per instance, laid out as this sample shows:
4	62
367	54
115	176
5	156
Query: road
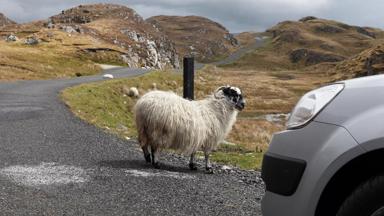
52	163
259	42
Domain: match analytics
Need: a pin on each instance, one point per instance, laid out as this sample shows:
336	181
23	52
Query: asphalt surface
52	163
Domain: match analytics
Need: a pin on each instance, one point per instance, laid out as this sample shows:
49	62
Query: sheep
165	120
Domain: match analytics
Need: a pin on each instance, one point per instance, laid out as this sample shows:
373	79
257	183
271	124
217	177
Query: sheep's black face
235	96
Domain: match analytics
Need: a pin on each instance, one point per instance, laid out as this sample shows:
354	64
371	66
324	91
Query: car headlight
311	104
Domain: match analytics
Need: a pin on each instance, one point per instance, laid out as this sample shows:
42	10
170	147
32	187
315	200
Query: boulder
311	57
307	18
32	41
12	38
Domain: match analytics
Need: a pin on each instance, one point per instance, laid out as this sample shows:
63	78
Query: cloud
240	15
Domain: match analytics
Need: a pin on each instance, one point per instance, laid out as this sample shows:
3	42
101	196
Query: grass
58	55
105	105
19	61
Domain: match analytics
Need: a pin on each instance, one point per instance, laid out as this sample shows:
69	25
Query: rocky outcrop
145	46
311	57
4	21
32	40
11	38
196	36
368	62
307	18
314	40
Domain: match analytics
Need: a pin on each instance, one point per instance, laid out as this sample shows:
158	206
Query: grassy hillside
58	55
105	105
197	36
300	45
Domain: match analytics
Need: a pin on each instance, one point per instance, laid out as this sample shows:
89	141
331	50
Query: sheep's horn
218	89
221	88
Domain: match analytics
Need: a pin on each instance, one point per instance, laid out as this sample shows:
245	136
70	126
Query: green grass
250	161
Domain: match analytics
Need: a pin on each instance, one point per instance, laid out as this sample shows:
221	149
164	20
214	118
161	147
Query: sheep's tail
142	137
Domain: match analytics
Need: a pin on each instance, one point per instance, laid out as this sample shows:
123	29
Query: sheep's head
232	94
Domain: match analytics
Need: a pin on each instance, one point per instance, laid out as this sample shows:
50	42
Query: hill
368	62
311	41
83	36
5	20
145	46
196	36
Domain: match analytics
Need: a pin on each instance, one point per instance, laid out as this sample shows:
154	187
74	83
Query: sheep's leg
155	163
147	155
208	166
192	164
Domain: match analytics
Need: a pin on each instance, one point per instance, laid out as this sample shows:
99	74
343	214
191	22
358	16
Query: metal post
188	64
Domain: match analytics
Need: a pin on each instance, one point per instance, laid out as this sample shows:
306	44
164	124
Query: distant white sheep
166	120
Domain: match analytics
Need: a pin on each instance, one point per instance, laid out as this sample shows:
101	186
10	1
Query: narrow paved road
259	42
52	163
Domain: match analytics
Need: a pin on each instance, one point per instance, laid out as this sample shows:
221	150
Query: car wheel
366	200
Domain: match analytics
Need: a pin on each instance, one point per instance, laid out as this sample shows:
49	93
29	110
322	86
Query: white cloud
240	15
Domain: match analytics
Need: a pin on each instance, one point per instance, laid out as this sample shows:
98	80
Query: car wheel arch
346	179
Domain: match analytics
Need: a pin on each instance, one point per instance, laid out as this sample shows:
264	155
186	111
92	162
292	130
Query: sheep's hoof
192	166
147	158
156	165
209	170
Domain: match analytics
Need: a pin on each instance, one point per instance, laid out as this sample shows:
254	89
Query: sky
236	15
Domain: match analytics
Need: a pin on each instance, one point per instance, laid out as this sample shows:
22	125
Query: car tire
366	200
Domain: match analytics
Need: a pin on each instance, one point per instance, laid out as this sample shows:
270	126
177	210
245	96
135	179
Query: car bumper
303	161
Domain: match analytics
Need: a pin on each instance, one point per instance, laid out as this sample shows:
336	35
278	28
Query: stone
32	41
12	38
311	57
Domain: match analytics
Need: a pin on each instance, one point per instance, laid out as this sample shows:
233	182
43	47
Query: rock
143	44
195	36
131	92
12	38
68	29
307	18
32	41
131	34
311	57
154	86
108	76
153	56
328	29
231	39
121	127
365	32
225	167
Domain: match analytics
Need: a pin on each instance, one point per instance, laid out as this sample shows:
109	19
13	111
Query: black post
188	64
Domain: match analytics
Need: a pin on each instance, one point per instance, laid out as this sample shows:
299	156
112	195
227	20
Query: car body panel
325	148
360	109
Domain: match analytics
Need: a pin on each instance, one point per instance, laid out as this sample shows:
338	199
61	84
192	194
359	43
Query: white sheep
166	120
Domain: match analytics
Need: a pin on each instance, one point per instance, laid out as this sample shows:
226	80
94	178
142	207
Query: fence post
188	66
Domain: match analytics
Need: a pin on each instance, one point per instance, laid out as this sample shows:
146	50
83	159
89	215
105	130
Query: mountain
143	44
196	36
5	20
311	41
369	61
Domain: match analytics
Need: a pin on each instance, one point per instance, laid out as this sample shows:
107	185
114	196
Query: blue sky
236	15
